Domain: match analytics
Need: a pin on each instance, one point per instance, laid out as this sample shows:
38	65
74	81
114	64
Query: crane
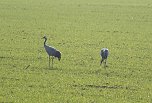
104	55
51	51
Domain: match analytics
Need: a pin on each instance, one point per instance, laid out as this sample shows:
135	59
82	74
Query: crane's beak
44	37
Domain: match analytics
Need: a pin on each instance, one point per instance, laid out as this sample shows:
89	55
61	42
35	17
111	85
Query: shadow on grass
30	67
2	57
53	68
104	87
100	71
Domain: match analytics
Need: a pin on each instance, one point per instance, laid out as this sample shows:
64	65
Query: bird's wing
50	50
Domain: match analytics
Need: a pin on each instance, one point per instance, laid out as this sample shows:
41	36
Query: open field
79	29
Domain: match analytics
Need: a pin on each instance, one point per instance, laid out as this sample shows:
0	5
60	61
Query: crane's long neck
45	41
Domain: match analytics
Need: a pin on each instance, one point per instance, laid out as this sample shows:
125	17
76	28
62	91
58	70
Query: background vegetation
79	29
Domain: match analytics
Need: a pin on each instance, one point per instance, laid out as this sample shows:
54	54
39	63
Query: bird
51	51
104	55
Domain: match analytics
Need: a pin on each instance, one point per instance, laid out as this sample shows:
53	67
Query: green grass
79	29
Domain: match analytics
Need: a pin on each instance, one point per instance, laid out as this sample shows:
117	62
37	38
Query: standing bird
104	54
51	51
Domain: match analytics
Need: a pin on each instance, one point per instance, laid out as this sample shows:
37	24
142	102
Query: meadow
79	29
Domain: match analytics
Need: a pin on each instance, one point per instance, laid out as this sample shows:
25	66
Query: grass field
79	29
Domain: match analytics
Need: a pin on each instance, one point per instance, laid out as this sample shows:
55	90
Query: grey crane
51	51
104	55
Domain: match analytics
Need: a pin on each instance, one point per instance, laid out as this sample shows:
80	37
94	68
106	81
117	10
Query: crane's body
51	51
104	55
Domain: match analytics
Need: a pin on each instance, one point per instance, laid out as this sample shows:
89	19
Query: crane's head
58	55
44	38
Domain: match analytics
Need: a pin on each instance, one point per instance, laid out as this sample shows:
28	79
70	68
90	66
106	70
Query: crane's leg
101	61
52	62
105	63
49	61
